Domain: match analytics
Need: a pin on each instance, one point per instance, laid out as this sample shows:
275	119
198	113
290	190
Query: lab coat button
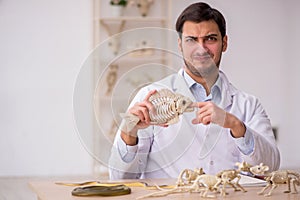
211	162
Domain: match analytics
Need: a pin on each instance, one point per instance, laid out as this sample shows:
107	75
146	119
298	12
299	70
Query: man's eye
212	39
190	39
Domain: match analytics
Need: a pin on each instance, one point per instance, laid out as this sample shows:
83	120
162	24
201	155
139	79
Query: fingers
208	113
204	118
142	109
203	115
149	95
195	105
148	104
201	104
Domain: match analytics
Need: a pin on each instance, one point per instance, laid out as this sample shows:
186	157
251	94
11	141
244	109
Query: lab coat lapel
227	92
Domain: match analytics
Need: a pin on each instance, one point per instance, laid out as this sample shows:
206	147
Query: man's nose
202	44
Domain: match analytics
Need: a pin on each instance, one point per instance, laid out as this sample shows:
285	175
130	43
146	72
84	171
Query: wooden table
48	190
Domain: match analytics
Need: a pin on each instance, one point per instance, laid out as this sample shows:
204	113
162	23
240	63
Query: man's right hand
141	110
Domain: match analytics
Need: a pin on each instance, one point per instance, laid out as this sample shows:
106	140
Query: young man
228	125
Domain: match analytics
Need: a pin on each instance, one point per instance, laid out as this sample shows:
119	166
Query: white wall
44	43
290	71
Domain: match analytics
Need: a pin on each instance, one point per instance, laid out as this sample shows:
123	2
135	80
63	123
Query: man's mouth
201	57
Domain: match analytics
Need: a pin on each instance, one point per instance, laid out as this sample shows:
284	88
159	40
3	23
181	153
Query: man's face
202	46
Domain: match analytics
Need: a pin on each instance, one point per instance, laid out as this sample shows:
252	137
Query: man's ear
224	45
179	44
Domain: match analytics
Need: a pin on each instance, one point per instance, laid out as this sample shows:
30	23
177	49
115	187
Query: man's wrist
129	139
237	127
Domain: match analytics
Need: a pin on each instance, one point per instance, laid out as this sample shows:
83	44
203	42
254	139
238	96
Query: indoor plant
119	2
118	7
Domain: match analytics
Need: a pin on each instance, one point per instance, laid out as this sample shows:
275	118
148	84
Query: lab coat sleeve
259	127
129	162
246	143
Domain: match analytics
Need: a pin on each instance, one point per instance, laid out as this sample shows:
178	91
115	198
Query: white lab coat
164	152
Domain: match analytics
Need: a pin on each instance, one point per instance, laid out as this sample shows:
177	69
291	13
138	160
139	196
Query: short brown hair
199	12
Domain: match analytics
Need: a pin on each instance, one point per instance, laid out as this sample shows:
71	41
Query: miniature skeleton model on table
197	181
277	177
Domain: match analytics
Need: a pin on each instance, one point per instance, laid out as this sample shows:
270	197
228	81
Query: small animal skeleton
277	177
168	107
143	6
190	175
198	181
202	184
114	40
209	183
111	78
243	167
226	177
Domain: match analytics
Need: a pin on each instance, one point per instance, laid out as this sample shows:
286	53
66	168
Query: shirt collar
190	82
216	89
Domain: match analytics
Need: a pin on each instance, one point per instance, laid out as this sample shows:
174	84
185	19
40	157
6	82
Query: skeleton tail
160	193
129	122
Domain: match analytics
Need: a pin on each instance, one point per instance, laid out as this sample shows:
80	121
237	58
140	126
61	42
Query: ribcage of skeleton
165	110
